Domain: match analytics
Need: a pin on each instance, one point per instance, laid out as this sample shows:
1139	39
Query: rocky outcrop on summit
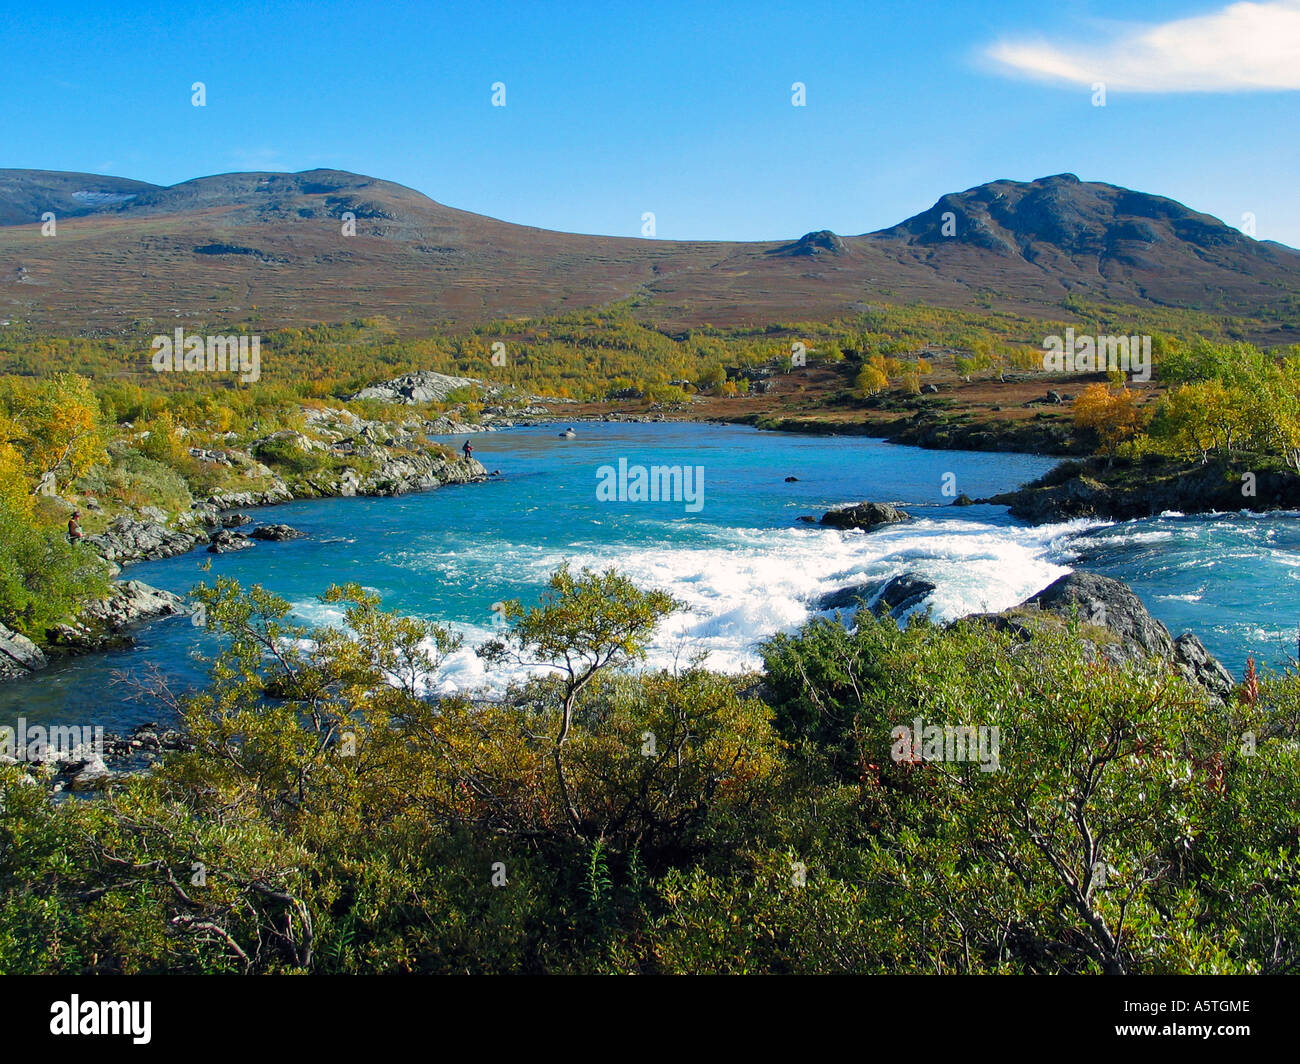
1116	626
422	387
865	516
821	242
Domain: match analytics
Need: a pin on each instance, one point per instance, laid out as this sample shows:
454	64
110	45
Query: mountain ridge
215	247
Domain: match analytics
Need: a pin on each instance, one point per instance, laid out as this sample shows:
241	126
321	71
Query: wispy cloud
256	157
1245	47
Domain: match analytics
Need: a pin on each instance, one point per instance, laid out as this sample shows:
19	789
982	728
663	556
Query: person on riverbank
468	450
75	534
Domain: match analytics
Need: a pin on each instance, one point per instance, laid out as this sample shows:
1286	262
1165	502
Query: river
739	557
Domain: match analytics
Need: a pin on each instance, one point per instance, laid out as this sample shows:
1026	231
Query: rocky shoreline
931	431
92	765
1123	491
357	456
1088	486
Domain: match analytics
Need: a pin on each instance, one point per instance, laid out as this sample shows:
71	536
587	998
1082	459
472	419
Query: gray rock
205	516
133	602
896	596
1199	666
129	540
1109	604
851	596
276	533
106	623
227	542
19	656
865	515
1135	636
92	776
234	500
902	594
424	387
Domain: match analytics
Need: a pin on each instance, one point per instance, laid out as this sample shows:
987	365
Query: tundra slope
209	249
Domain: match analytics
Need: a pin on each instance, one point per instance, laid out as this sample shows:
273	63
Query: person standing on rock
469	451
74	528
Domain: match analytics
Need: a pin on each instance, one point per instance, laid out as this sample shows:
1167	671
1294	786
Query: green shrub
44	579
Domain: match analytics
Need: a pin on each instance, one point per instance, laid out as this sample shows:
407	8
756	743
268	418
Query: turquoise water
743	563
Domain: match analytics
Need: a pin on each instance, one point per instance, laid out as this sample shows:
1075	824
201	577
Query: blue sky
683	109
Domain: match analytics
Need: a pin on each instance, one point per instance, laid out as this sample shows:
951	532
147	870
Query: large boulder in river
276	533
1109	604
19	656
1115	625
902	594
226	542
865	515
1199	666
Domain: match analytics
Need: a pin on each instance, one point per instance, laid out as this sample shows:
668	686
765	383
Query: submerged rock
902	594
896	596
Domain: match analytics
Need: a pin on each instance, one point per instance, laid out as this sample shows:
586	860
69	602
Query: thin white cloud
1245	47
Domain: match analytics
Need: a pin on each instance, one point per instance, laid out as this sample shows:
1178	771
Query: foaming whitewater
752	583
745	566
